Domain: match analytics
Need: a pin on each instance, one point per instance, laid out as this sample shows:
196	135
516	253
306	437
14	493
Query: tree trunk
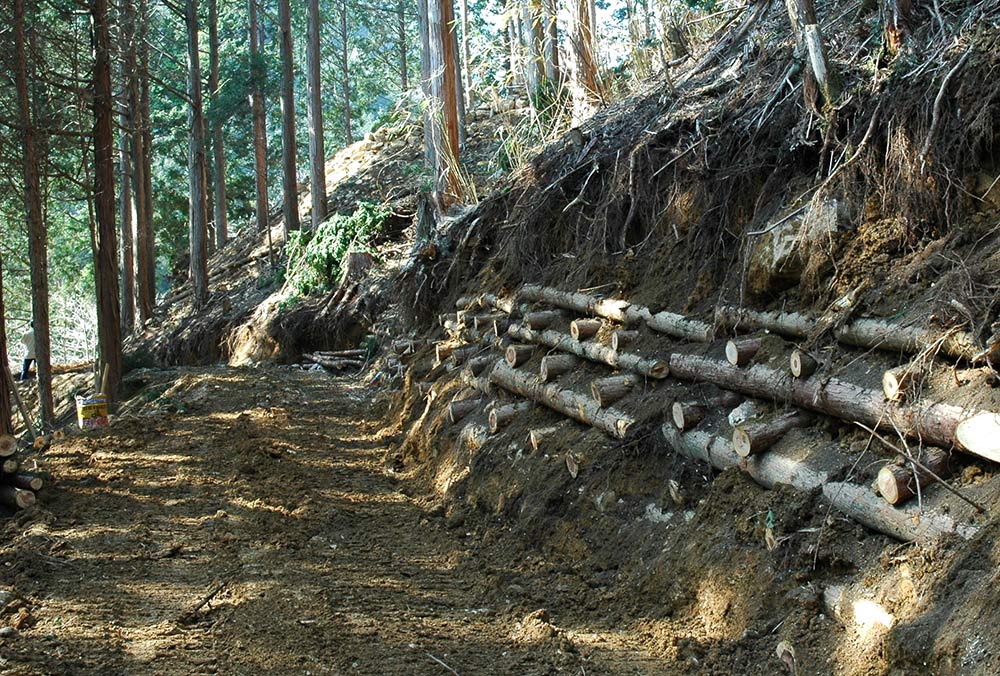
933	423
444	103
896	21
218	149
423	25
531	37
37	231
317	148
577	406
127	124
289	171
466	55
652	368
404	76
138	88
106	258
6	410
550	29
345	72
586	93
197	216
258	75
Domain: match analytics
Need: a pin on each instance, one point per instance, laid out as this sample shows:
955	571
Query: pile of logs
492	338
339	360
17	489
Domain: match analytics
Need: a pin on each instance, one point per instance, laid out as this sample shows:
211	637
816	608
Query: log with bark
554	365
652	368
485	323
480	363
620	311
461	408
876	333
898	484
8	445
342	354
571	404
407	345
755	439
934	423
334	364
16	498
28	482
607	391
809	467
9	465
500	416
899	383
741	352
537	436
581	329
801	364
687	414
487	301
474	436
623	338
518	354
442	351
462	354
543	319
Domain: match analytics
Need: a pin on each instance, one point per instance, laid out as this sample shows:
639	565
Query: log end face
980	435
741	442
891	386
660	369
732	353
8	444
677	413
888	485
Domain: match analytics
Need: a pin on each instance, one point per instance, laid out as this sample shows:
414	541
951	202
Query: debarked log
797	468
653	368
934	423
571	404
877	333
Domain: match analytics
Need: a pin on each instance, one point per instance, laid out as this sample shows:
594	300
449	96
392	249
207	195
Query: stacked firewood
17	488
492	339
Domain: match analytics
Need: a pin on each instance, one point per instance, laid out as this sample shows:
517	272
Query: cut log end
622	339
581	329
741	352
459	409
16	498
894	484
8	444
537	436
895	383
518	354
980	435
741	442
687	415
801	364
9	466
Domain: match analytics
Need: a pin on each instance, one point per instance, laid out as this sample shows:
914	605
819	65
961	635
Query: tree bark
586	93
218	148
142	181
127	125
258	75
607	391
550	28
652	368
106	252
755	439
317	149
466	56
404	75
197	216
573	405
933	423
531	36
741	352
554	365
501	416
543	319
6	409
582	329
289	170
345	72
444	103
426	89
37	231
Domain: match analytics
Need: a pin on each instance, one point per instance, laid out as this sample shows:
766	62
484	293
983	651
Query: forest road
243	521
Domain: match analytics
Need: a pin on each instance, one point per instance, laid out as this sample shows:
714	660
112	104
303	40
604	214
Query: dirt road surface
245	522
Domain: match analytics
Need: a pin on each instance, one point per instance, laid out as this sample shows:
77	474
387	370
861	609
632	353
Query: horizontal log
898	382
484	323
500	416
334	364
486	301
481	382
28	482
462	354
518	354
571	404
554	365
687	414
741	352
340	354
653	368
873	333
755	439
442	351
543	319
480	363
8	445
623	338
802	468
582	329
801	364
407	345
16	498
536	437
898	484
620	311
934	423
607	391
459	409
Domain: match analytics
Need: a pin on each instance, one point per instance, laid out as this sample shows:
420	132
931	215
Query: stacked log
652	368
802	365
502	415
620	311
461	408
334	364
486	301
934	423
898	484
537	436
571	404
622	338
17	491
741	352
554	365
870	333
607	391
581	329
803	469
755	439
518	354
543	319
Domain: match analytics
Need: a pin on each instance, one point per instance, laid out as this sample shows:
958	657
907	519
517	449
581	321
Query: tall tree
258	75
289	170
126	128
345	71
551	37
466	56
585	89
531	35
37	231
404	75
444	89
142	174
6	423
218	149
106	258
197	217
317	149
423	25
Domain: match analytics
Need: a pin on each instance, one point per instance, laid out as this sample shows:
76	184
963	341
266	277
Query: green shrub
315	257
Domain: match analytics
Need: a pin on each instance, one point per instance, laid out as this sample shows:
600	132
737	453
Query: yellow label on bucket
91	412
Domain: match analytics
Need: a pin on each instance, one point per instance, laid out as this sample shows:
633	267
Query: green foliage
315	256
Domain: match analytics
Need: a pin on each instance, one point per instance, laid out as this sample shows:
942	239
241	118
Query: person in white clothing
28	341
